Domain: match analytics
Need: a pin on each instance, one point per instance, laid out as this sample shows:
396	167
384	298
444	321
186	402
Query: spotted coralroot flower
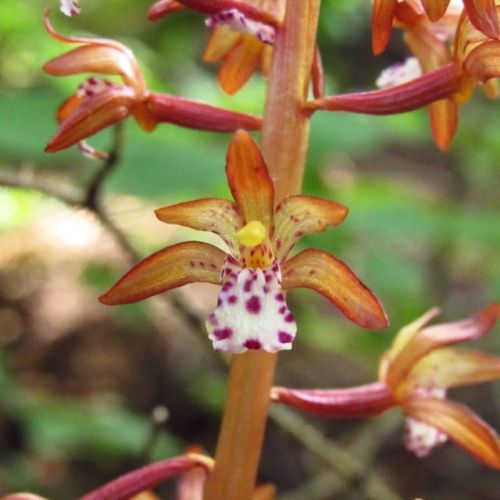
451	56
70	7
99	103
242	36
415	374
481	13
251	312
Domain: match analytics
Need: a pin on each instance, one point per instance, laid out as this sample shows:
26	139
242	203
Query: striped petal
91	116
195	114
249	180
449	367
240	63
221	40
100	59
483	62
210	214
108	56
460	424
435	337
332	278
483	15
382	16
357	402
435	9
444	120
169	268
298	216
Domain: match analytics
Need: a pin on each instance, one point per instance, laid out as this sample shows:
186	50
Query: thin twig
342	461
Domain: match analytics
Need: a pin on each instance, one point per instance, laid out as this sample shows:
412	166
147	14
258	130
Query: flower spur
251	311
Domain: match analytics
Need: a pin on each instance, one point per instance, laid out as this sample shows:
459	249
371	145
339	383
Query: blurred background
88	392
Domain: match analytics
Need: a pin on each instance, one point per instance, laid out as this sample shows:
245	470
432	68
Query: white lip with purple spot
251	312
70	7
237	21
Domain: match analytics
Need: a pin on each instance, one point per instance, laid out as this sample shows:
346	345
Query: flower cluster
99	103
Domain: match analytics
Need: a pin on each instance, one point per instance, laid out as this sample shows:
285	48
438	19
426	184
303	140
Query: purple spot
289	318
252	344
269	277
248	285
253	305
232	299
279	297
219	302
212	319
92	81
223	333
227	286
282	310
265	289
285	337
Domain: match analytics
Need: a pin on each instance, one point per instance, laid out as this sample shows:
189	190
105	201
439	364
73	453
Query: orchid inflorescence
455	47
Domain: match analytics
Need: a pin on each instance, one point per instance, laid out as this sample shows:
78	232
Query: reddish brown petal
117	59
483	62
148	477
297	216
356	402
240	63
163	8
406	97
82	39
444	120
382	16
221	40
169	268
250	10
449	367
249	180
333	279
435	8
460	424
210	214
100	59
93	115
198	115
435	337
483	15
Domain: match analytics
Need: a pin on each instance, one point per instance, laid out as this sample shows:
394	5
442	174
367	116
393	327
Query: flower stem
285	134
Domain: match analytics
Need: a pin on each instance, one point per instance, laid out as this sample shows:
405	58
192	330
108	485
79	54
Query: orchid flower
482	15
251	311
242	35
99	103
415	374
451	57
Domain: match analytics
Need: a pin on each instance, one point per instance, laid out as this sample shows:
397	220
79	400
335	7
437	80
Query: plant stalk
285	134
